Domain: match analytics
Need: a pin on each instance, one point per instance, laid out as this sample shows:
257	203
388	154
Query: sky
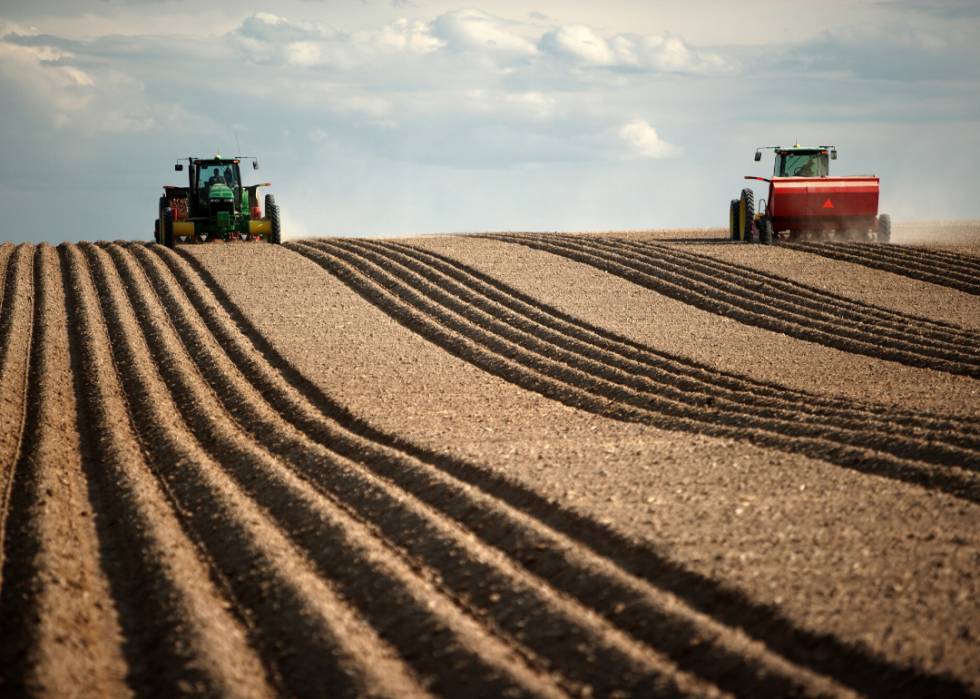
404	117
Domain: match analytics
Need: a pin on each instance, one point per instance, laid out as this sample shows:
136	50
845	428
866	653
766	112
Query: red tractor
806	203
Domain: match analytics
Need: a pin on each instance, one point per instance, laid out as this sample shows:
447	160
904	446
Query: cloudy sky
396	117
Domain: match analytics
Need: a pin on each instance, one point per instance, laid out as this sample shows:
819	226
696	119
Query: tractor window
790	164
211	174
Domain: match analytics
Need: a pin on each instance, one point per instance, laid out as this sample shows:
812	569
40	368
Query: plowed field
610	465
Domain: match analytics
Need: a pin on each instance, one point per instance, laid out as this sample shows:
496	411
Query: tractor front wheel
884	228
746	215
272	211
733	219
765	230
168	227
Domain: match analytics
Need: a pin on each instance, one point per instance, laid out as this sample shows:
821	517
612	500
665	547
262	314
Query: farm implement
806	203
215	206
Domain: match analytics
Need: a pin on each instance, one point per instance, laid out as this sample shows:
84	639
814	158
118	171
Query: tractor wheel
164	203
168	227
765	230
733	219
273	213
270	201
884	228
156	231
746	215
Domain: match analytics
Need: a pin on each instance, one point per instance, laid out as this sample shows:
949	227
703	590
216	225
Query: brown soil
649	463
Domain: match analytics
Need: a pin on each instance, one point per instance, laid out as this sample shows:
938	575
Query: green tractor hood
220	191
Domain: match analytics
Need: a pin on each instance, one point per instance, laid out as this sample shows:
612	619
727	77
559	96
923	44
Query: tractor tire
746	211
168	227
884	228
270	201
733	219
156	231
164	203
273	213
765	230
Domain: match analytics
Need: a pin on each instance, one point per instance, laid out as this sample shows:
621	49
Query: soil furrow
873	676
836	308
6	249
938	258
687	375
543	313
61	636
797	301
625	371
741	288
965	283
541	375
570	386
554	363
299	618
517	603
682	373
964	267
846	662
407	609
179	636
16	320
573	641
755	313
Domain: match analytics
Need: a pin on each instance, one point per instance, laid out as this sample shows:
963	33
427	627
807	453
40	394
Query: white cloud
405	35
279	30
579	44
479	32
69	92
582	46
644	141
266	39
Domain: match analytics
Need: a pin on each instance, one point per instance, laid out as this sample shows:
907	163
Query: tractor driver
216	178
813	167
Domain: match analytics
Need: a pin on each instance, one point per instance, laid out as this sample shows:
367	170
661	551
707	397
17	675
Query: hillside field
622	464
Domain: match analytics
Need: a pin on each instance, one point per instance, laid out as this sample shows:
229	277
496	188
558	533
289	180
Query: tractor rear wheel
733	219
746	215
273	213
884	228
765	230
163	204
168	227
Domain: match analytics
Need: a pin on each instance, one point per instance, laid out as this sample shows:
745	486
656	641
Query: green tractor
216	206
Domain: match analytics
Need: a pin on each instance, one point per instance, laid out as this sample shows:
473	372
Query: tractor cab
206	174
802	162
